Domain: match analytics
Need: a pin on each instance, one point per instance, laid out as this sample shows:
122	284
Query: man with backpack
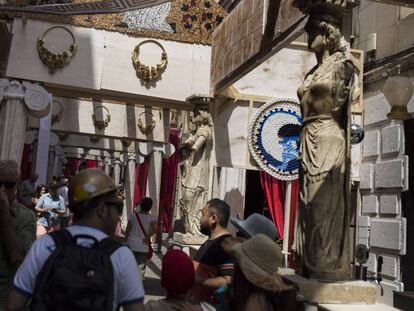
81	268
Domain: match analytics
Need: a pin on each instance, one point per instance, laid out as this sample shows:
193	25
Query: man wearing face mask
214	266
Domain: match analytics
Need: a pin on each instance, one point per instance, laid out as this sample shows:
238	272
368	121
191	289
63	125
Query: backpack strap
61	237
109	246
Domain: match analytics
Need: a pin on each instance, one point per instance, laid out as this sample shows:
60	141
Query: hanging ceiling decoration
274	138
52	60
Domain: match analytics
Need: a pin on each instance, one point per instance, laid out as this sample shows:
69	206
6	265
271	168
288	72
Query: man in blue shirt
50	205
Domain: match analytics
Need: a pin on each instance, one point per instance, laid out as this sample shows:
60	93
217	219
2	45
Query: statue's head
202	116
324	33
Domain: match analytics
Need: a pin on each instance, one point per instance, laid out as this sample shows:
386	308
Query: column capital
35	97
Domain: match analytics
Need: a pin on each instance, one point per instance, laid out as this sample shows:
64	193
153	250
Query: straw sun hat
259	259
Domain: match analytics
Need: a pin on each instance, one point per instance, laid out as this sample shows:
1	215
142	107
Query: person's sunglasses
119	206
7	185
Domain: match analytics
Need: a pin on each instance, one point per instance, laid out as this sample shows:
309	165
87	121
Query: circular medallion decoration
274	138
53	60
145	72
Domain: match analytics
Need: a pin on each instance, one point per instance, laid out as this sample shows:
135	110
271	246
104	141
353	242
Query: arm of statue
199	143
344	70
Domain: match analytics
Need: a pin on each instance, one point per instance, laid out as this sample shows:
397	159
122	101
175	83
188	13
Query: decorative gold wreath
145	72
101	124
55	60
57	116
145	129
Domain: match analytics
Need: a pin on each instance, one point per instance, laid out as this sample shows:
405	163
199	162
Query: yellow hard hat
88	184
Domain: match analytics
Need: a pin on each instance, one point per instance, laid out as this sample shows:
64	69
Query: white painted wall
77	119
279	76
103	62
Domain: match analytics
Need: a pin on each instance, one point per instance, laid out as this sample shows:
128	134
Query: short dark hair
146	204
54	186
222	210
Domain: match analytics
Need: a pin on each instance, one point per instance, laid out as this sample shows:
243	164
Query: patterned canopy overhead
196	17
274	138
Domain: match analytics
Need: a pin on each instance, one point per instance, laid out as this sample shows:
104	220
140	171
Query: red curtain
274	191
141	177
168	177
25	164
71	167
91	163
275	197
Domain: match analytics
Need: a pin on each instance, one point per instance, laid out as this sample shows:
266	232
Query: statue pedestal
189	239
321	292
188	243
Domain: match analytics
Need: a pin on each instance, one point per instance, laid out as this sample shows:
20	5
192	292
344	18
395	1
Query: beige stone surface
355	307
77	119
352	292
103	63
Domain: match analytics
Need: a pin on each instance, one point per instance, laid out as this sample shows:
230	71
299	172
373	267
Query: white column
154	181
42	154
129	183
16	100
117	171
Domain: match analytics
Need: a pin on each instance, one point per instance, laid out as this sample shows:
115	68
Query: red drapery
275	197
91	163
274	191
71	167
168	177
25	164
141	177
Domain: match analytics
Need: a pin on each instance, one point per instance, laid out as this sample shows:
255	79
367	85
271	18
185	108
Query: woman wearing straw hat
257	285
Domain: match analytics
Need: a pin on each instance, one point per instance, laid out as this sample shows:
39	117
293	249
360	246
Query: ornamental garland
145	72
52	60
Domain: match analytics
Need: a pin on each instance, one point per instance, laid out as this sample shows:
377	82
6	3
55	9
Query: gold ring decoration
144	125
52	60
145	72
57	116
101	124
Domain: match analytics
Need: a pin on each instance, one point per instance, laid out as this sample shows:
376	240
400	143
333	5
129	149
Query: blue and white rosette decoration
274	136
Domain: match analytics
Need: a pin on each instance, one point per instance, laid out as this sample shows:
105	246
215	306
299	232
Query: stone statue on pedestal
195	178
323	232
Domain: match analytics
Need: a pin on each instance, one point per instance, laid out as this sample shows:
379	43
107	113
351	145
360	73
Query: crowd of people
47	265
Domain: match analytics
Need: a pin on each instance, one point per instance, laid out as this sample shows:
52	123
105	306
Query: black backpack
75	277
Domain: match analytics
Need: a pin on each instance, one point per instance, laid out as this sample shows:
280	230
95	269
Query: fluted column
16	102
130	162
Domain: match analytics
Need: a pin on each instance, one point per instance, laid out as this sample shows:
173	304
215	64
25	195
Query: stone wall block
388	234
371	144
363	221
389	204
363	236
367	177
391	174
390	266
372	262
391	140
389	287
376	109
370	204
